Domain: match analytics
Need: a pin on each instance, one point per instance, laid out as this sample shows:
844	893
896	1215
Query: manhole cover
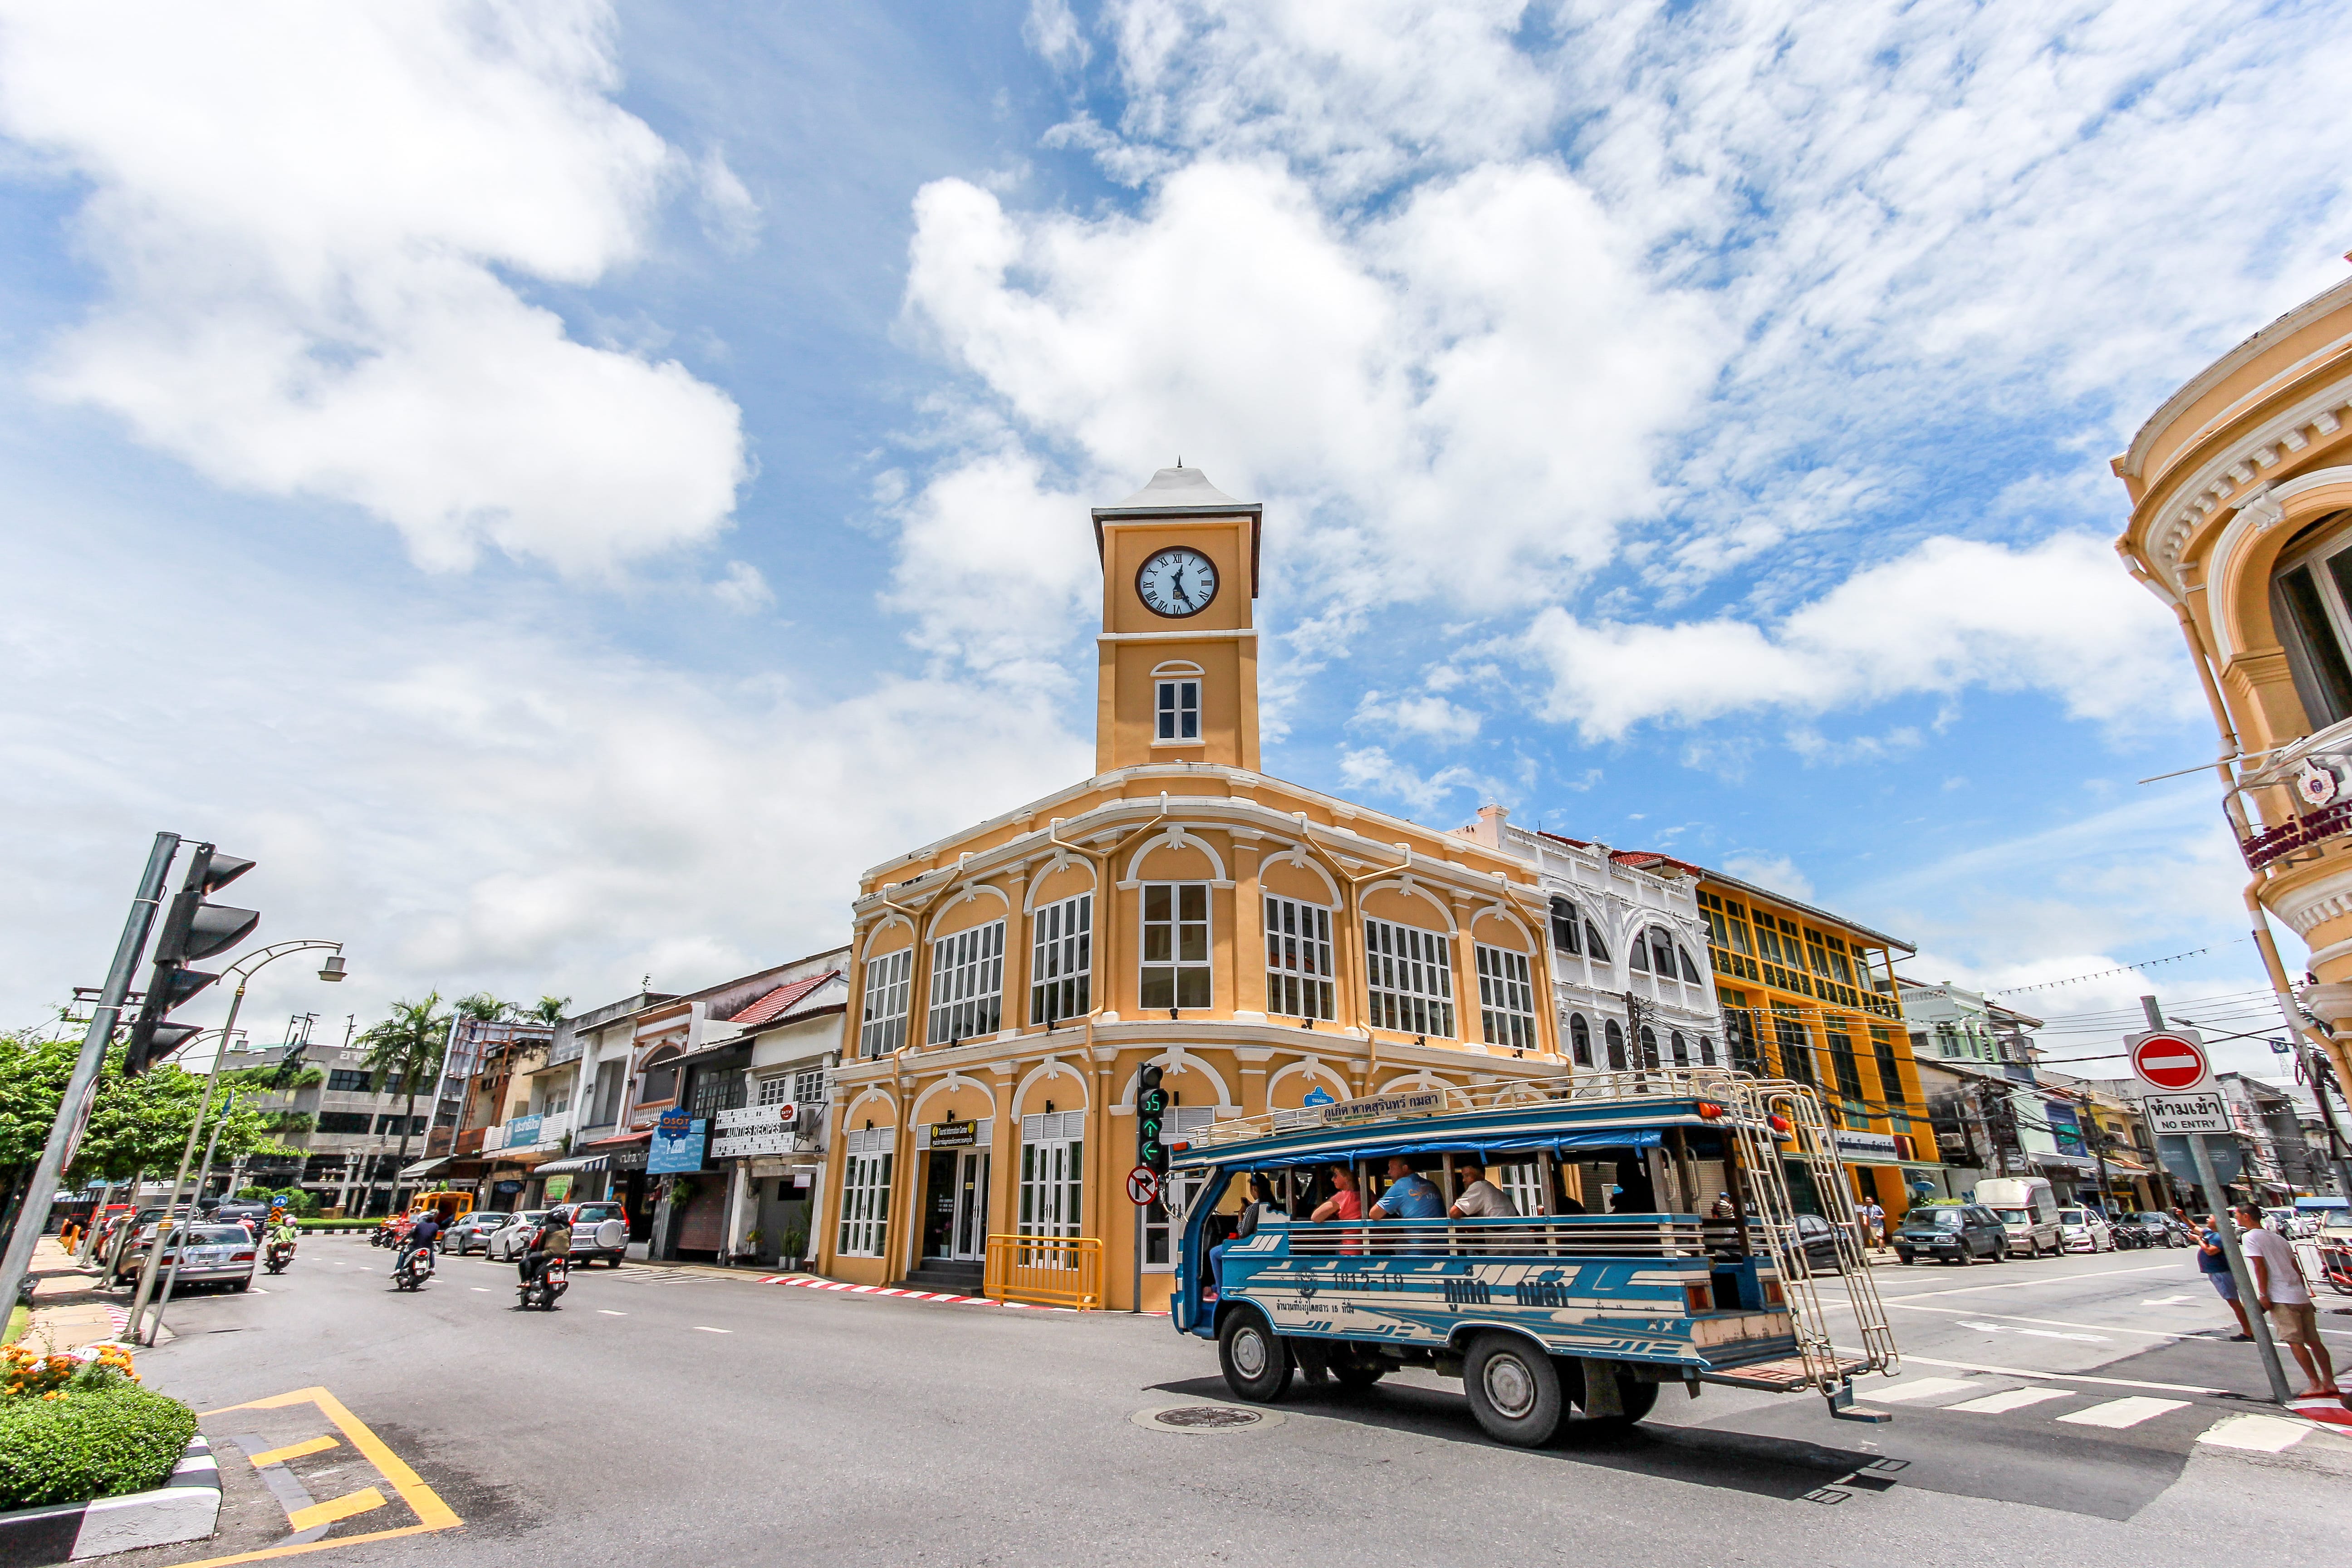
1206	1418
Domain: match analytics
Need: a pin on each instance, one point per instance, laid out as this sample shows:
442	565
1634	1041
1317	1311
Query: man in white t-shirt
2279	1290
1480	1199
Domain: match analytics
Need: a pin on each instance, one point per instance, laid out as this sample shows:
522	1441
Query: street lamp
243	969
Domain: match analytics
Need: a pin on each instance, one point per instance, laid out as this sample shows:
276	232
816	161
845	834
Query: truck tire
1254	1358
1358	1368
1635	1400
1513	1389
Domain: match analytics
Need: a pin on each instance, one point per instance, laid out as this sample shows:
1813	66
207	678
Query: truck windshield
2014	1216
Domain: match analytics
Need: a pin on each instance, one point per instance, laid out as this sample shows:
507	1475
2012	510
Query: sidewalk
68	1311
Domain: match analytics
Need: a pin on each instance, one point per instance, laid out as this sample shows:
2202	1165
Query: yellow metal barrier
1045	1271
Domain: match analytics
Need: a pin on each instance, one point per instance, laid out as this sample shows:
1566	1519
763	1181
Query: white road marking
2166	1301
484	1289
610	1313
2261	1434
2014	1399
2039	1279
2061	1377
700	1329
1925	1388
2051	1323
2121	1413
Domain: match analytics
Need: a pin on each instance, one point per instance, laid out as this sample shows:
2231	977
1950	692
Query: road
672	1415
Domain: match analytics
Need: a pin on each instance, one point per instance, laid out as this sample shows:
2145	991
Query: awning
423	1168
622	1142
566	1167
1558	1142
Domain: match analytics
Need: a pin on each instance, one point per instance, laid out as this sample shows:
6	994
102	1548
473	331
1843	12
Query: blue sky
564	490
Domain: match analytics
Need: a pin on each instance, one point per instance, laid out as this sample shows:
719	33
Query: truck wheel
1256	1362
1635	1400
1359	1368
1514	1390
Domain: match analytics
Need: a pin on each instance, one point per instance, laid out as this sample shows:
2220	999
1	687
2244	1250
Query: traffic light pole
73	1110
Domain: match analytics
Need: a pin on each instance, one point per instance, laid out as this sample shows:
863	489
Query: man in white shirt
1480	1199
2279	1290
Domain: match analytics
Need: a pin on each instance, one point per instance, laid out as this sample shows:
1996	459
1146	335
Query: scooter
542	1289
414	1267
280	1255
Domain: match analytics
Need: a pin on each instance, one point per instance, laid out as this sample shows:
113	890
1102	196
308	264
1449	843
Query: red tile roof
768	1008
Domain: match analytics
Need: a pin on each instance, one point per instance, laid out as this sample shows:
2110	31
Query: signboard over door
673	1151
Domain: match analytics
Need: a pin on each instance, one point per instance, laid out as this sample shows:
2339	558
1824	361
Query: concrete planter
186	1508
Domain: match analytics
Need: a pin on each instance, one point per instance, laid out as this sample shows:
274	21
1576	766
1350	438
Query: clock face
1177	583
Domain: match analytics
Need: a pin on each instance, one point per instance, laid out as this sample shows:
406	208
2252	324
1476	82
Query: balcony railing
2303	789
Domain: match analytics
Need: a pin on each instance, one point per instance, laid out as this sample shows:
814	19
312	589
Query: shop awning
423	1168
1557	1142
570	1166
622	1142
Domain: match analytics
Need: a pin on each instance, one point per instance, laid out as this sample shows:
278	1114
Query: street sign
1143	1186
2178	1159
2170	1060
2174	1113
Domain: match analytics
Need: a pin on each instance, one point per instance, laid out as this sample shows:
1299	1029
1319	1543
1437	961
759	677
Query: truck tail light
1710	1111
1698	1297
1776	1123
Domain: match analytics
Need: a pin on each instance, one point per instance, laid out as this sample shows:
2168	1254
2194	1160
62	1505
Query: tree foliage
410	1044
549	1010
480	1005
135	1124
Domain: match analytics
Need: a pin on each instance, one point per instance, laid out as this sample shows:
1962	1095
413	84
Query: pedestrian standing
1874	1222
2216	1266
2280	1290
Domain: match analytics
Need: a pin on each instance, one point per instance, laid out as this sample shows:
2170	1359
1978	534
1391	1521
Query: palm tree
551	1010
407	1049
482	1005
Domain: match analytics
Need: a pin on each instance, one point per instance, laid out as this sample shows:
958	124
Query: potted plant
794	1251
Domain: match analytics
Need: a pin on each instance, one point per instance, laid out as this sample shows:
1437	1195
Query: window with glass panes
776	1088
1052	1174
1796	1051
1842	1063
1564	922
1175	945
808	1087
866	1193
1180	710
1408	975
1507	998
1728	947
884	1028
1890	1068
1182	1125
1614	1036
1297	959
1062	962
715	1091
1580	1040
967	984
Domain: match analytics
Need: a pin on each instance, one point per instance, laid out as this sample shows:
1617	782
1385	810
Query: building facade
2240	490
1266	945
1810	996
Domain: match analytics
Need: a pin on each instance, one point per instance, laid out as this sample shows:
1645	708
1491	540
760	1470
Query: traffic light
1151	1113
193	930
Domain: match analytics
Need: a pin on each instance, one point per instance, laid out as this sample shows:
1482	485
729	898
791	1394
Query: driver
422	1235
282	1228
553	1241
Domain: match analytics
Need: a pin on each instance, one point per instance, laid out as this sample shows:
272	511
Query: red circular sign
2169	1061
1142	1186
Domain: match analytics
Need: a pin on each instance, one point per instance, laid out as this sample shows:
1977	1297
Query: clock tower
1178	653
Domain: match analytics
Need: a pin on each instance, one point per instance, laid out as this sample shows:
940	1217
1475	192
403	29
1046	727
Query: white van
2028	1210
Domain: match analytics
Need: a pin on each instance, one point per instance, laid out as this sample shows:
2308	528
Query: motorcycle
280	1255
542	1289
414	1267
391	1233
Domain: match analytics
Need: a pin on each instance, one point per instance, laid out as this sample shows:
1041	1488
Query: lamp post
243	968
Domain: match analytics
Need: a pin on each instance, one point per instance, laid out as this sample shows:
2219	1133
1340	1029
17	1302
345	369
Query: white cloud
2059	618
1370	768
1054	32
730	218
308	219
743	589
1431	716
1776	873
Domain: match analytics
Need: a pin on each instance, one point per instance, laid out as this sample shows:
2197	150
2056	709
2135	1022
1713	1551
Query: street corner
301	1473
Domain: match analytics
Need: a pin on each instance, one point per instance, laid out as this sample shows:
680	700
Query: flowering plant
27	1374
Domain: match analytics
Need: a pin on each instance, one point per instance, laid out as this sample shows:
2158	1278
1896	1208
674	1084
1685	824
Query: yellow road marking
432	1513
294	1451
268	1551
328	1513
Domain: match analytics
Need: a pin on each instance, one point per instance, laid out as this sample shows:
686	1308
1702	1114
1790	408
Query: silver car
507	1242
203	1254
473	1232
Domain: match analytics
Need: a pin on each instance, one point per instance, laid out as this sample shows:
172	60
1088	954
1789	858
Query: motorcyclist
553	1240
420	1238
282	1229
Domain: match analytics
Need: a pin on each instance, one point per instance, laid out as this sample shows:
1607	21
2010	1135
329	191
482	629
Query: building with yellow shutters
1265	944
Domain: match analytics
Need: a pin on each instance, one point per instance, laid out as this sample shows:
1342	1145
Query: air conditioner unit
1952	1142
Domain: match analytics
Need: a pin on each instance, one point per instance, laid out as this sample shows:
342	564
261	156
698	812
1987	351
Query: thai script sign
1385	1106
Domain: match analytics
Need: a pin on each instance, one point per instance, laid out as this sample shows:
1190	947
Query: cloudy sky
565	489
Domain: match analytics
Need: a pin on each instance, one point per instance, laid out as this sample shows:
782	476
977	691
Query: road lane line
1926	1388
610	1313
2118	1413
701	1328
293	1451
2013	1399
2046	1322
2043	1279
2060	1376
2257	1434
2167	1300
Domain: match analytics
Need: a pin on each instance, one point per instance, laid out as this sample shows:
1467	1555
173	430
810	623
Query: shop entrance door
955	1218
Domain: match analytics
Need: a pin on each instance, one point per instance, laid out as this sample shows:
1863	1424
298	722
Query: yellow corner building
1266	945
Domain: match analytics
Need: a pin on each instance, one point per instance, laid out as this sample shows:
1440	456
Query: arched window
1662	948
1594	948
1580	1040
1637	956
1681	1049
1614	1038
1176	702
1690	970
2310	592
1649	1048
1706	1050
1563	925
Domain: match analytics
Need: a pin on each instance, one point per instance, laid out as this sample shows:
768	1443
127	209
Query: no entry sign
2169	1060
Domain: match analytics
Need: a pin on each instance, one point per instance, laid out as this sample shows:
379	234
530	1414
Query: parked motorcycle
414	1267
542	1289
277	1256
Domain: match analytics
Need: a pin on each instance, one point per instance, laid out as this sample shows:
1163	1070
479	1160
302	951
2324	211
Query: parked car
2086	1230
2029	1207
473	1232
207	1254
1819	1241
237	1211
600	1228
506	1243
1951	1232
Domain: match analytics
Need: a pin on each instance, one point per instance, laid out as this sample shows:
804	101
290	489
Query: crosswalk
2064	1405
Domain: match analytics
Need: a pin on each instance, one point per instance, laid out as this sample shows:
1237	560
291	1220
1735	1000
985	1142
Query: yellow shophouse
1266	945
1809	996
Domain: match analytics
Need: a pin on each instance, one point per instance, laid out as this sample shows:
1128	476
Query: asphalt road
672	1415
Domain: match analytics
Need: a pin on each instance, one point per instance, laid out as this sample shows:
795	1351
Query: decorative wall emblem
2317	785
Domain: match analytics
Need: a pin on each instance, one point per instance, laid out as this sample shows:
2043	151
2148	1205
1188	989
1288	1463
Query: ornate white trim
1177	836
1411	886
1059	862
2308	907
2208	490
969	891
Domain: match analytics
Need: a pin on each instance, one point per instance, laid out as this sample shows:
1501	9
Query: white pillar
738	1187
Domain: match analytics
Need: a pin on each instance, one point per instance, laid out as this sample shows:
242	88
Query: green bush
101	1440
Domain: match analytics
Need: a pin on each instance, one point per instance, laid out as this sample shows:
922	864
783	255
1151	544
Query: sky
563	488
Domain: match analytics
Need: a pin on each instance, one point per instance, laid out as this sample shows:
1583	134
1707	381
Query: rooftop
1176	490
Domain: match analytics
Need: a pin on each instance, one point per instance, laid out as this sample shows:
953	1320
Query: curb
941	1297
186	1508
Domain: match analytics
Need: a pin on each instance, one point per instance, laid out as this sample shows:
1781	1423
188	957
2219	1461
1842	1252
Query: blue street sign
673	1151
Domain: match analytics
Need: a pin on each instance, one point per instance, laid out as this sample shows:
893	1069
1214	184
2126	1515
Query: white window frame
1062	958
967	984
776	1088
1507	997
1409	979
1052	1201
866	1193
1300	975
1176	710
808	1087
1177	966
888	991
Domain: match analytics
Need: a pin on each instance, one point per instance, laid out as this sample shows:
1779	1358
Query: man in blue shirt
1409	1196
2215	1265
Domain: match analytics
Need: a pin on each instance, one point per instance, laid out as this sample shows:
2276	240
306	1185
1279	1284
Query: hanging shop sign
744	1145
674	1151
755	1117
1385	1106
1868	1147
